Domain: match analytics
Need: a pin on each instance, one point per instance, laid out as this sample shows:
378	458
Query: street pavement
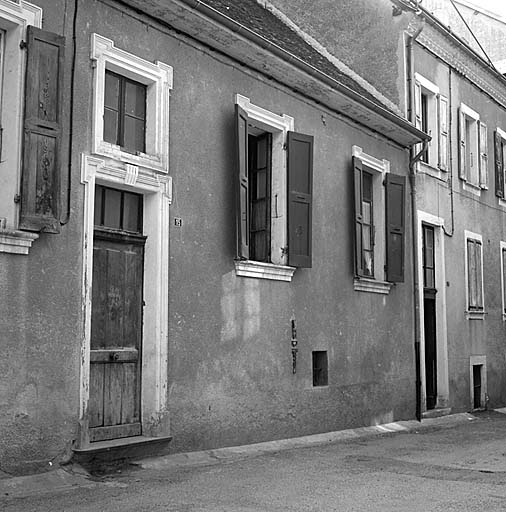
457	463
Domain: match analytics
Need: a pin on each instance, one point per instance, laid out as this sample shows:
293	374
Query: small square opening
320	368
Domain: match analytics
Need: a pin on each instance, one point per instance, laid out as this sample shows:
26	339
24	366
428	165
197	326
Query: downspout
414	220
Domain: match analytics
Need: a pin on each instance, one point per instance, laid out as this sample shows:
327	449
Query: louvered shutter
300	201
499	172
443	133
357	227
395	227
483	144
42	159
462	146
242	191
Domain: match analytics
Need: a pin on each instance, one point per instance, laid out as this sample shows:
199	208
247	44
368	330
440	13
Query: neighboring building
134	305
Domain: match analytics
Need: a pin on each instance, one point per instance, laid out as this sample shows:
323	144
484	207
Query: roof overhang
218	31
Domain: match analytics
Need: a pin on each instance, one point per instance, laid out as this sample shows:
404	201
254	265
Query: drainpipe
414	228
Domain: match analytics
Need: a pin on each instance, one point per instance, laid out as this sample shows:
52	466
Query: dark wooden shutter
357	228
40	187
242	193
395	225
300	202
499	173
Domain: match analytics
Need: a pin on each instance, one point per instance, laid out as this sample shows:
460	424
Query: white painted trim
478	360
502	133
16	242
156	189
474	314
364	284
258	269
443	387
425	168
426	84
158	79
370	161
278	126
469	112
14	20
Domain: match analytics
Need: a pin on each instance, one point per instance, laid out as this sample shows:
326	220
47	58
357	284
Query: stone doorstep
436	413
120	450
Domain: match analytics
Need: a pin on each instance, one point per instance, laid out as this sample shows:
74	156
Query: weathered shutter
499	172
462	146
300	200
242	193
395	227
443	133
483	143
40	186
479	276
471	274
418	111
357	227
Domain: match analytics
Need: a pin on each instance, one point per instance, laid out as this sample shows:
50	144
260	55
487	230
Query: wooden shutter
499	172
300	202
462	146
40	186
395	227
357	228
418	111
474	274
443	133
483	144
242	192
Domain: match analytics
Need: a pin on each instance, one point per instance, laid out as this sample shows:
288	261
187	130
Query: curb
74	476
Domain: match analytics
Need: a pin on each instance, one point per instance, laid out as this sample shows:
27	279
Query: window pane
131	212
366	186
112	208
98	205
111	126
111	99
479	291
135	99
134	134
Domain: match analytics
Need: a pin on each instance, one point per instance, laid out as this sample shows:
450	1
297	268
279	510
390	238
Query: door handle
113	356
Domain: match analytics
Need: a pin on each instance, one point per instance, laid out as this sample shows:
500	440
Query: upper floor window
503	277
500	162
474	274
125	113
274	194
473	154
378	223
431	116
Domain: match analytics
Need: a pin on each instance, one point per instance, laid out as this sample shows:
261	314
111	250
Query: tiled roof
255	17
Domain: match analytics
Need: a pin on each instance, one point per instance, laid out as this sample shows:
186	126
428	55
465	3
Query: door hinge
23	45
17	198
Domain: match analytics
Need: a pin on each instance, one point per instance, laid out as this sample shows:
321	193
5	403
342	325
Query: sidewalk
73	476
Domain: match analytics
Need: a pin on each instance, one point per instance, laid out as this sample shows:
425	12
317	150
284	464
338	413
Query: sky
497	6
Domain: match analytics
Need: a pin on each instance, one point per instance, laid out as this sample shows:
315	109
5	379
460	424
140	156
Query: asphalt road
448	468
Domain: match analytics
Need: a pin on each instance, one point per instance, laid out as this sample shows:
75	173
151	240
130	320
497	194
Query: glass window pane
112	208
131	212
134	134
366	186
111	99
111	126
135	99
98	205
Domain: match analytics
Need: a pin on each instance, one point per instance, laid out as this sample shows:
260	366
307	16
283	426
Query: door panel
116	335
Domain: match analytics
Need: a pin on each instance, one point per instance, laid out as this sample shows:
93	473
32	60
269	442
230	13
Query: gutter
285	55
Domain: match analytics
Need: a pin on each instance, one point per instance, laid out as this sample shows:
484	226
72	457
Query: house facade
206	233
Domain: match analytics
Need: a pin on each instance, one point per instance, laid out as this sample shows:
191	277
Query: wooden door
116	322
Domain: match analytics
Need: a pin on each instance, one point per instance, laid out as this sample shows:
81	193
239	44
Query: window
131	107
320	368
503	277
117	209
431	116
378	223
474	274
274	194
15	18
125	113
473	154
500	162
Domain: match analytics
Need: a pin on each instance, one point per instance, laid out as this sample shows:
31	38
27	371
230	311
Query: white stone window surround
502	133
158	78
432	90
502	247
278	126
379	169
478	361
472	314
14	20
472	114
156	189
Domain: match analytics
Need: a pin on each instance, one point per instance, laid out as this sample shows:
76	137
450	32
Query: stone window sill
16	242
475	315
260	270
364	284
